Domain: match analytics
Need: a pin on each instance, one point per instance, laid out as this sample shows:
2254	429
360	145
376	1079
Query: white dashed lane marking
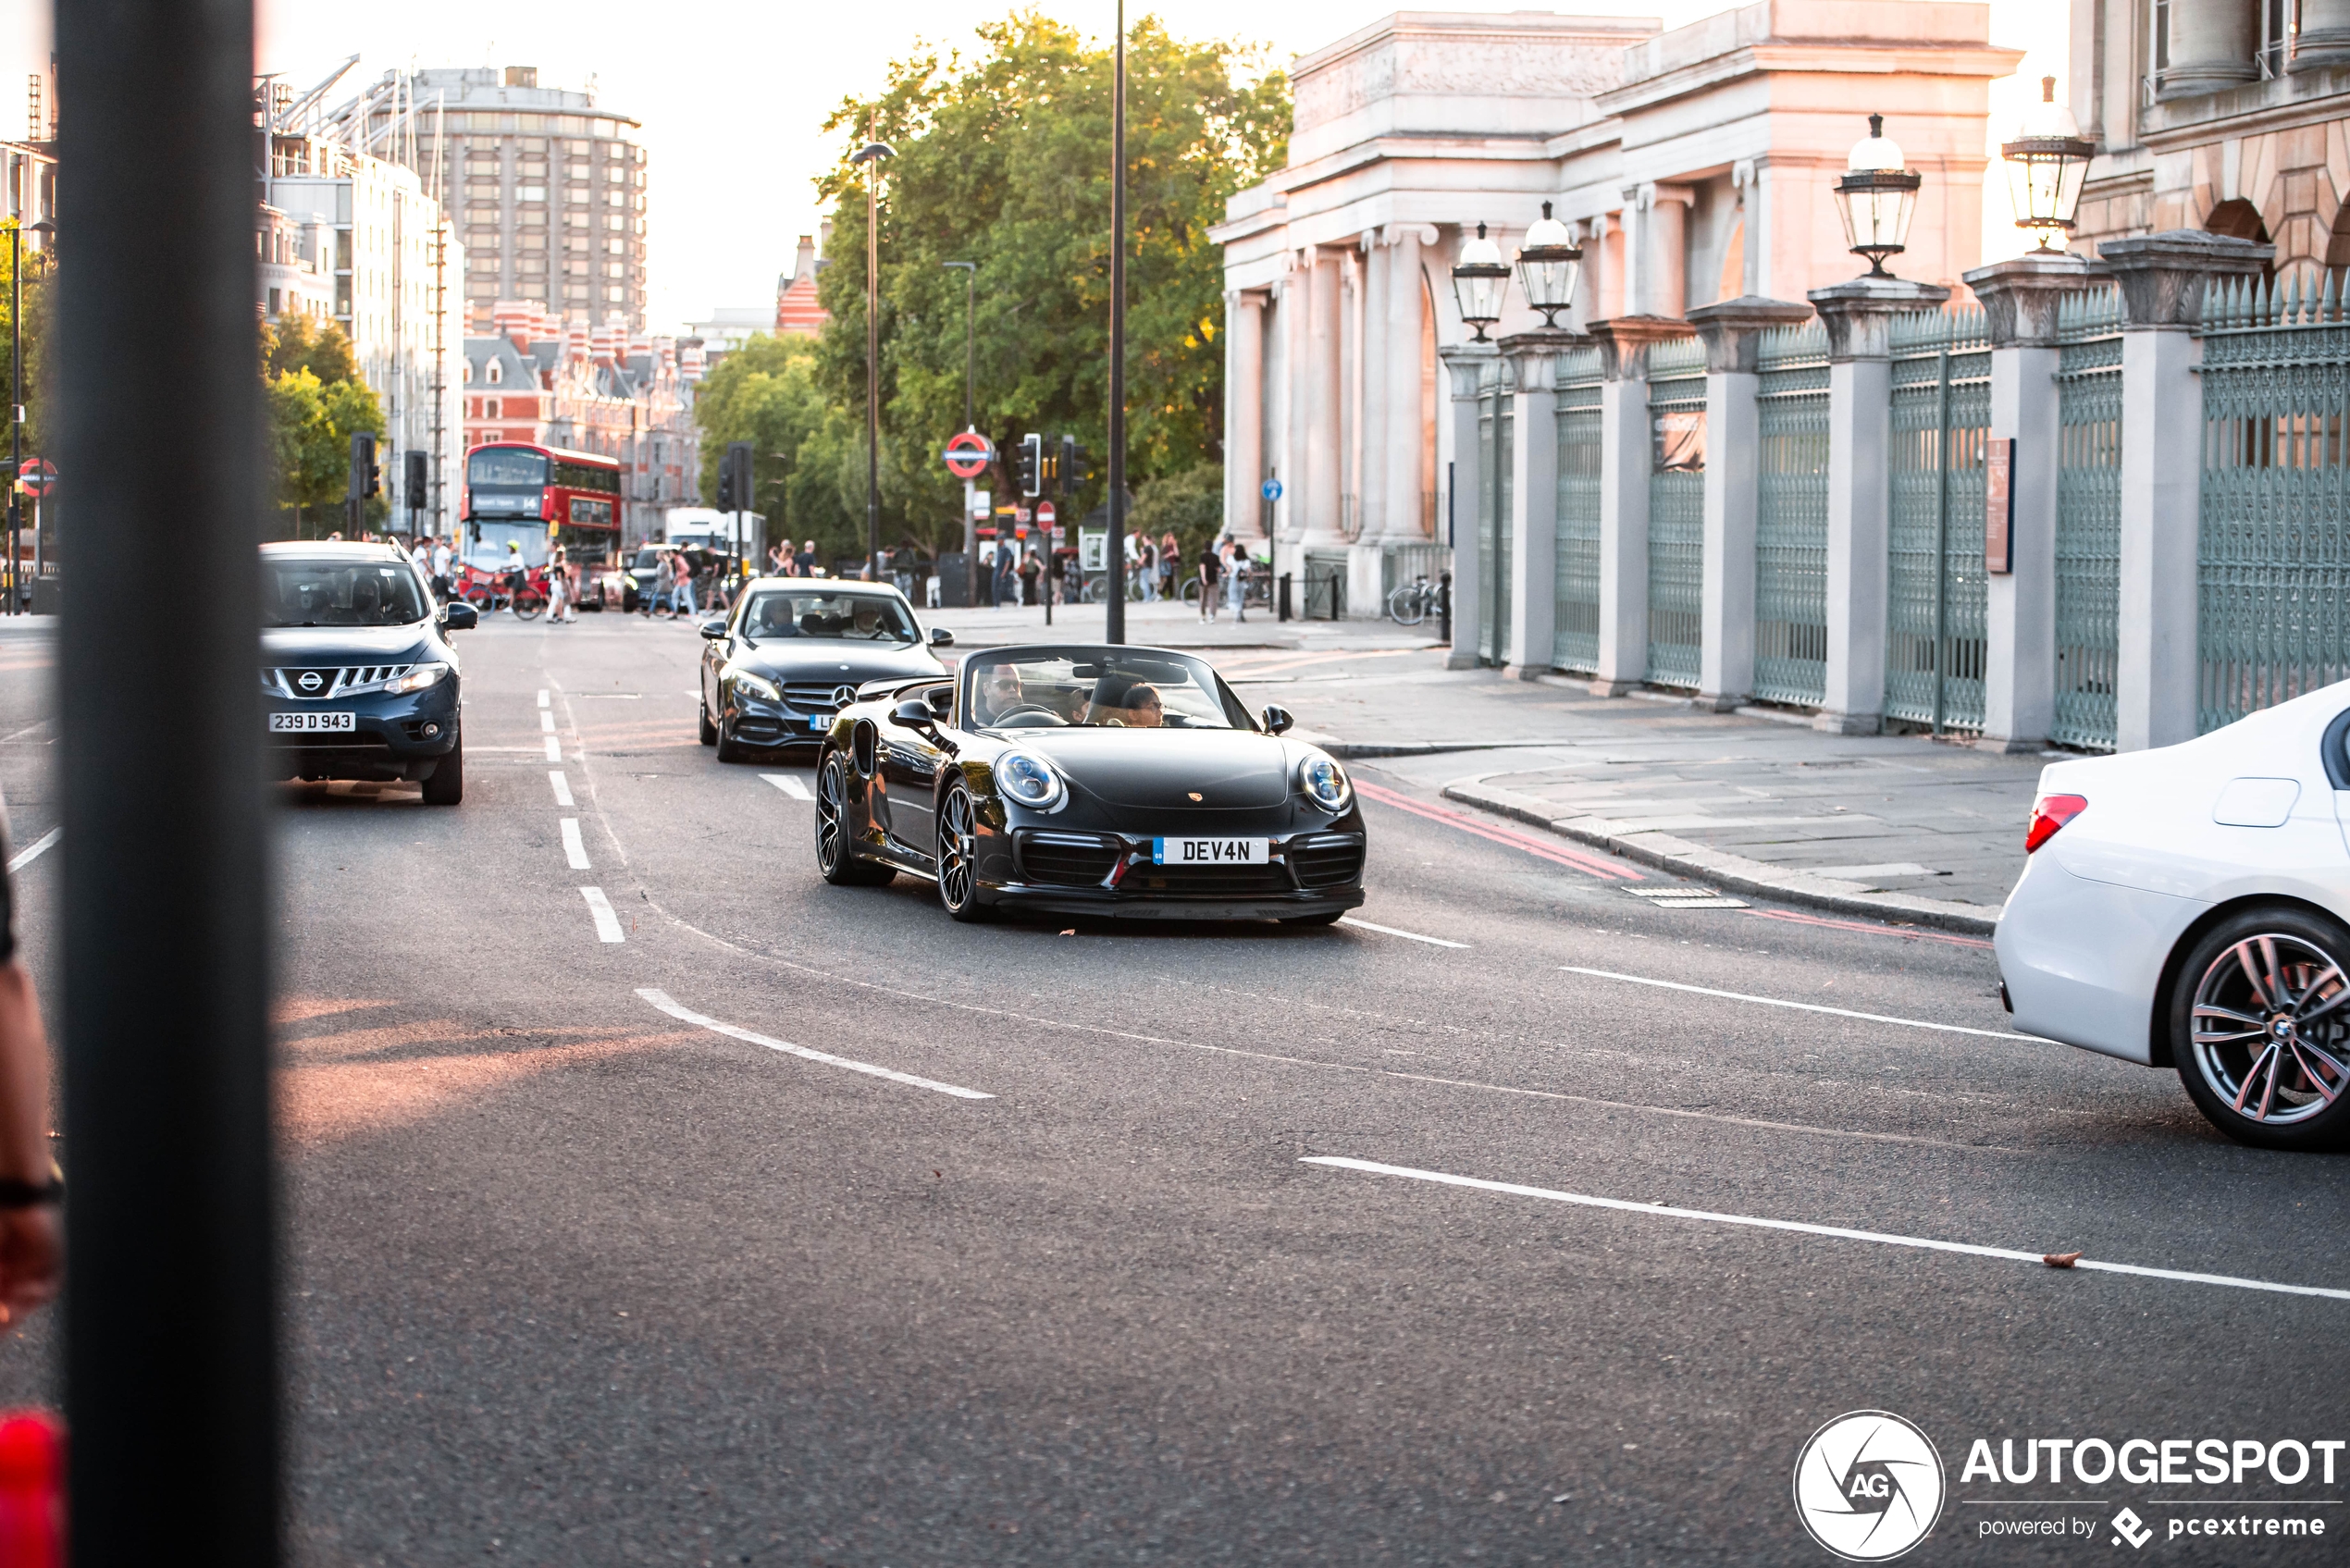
574	851
542	697
1390	931
547	721
607	923
1802	1007
686	1015
34	850
1704	1217
556	777
554	749
789	786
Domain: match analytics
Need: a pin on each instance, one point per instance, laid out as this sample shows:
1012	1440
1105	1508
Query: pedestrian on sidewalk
776	560
1211	572
1237	577
440	560
1031	569
1171	566
683	603
32	1261
558	586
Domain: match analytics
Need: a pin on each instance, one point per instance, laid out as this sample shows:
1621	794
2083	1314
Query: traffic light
416	480
1073	467
745	485
1031	464
366	479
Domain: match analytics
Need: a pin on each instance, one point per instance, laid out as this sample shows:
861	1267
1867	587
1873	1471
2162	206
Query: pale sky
731	94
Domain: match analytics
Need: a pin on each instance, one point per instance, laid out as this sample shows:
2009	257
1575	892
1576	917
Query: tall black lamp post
1114	620
871	156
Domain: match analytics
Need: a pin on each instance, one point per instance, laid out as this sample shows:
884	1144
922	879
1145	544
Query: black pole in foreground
171	1321
871	156
1114	626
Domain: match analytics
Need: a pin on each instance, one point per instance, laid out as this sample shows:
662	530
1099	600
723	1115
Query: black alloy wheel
957	856
2259	1020
706	731
835	856
729	748
447	786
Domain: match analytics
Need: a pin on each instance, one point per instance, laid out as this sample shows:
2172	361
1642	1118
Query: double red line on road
1549	849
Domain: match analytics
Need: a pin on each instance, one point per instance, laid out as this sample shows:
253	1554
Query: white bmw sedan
2185	907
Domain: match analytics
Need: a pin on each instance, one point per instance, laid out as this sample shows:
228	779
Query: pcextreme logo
1868	1486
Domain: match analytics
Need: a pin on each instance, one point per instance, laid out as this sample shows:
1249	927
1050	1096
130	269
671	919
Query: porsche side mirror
1277	718
941	638
913	714
715	628
458	616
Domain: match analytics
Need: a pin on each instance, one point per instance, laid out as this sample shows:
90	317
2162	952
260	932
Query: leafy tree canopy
804	451
39	272
1003	159
314	402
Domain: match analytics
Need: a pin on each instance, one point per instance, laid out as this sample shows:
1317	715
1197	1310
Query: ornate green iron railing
2088	529
1791	521
1676	511
1935	613
2274	550
1495	421
1577	629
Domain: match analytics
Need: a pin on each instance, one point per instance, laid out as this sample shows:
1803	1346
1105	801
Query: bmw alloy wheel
2271	1035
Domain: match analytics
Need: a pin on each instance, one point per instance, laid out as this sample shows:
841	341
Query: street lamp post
1877	197
2047	163
1114	619
1479	279
1548	265
871	156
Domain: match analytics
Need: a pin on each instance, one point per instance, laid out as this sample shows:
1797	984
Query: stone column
1664	269
1371	381
2323	42
2020	301
1732	331
1325	431
1859	317
1534	497
1243	414
2212	47
1297	432
1625	461
2163	278
1399	439
1465	368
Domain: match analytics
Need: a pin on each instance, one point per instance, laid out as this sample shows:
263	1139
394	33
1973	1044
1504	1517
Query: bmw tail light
2050	813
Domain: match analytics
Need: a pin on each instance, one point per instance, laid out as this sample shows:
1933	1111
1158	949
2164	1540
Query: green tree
1004	160
311	420
1189	505
766	393
39	273
293	342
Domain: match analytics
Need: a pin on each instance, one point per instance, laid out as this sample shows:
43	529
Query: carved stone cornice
1625	341
2020	295
1732	329
1859	314
2163	276
1468	363
1531	355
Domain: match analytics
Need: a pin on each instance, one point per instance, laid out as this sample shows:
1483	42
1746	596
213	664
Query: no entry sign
1044	513
969	454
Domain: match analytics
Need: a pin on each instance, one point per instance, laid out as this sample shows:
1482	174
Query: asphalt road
575	1279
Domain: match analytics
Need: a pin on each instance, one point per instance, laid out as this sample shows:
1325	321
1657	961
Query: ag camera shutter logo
1868	1486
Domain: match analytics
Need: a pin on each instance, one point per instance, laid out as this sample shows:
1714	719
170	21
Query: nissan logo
311	679
844	696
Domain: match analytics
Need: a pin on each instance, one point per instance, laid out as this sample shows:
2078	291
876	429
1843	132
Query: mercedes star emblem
844	696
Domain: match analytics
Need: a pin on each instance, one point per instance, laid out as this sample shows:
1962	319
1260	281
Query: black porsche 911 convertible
1084	780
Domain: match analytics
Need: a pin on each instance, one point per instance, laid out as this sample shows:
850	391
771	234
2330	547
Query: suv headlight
1324	782
758	685
1027	780
416	679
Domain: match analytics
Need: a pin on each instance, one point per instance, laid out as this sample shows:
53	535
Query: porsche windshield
803	613
340	593
1097	687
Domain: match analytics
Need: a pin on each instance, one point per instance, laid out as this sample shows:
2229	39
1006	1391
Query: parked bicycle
1412	602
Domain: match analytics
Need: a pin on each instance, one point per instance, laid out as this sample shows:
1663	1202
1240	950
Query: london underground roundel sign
40	475
969	454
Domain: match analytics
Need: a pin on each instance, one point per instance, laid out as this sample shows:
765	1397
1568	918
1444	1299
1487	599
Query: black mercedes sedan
793	651
358	677
1083	780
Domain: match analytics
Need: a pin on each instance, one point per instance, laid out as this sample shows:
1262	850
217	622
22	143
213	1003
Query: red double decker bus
536	498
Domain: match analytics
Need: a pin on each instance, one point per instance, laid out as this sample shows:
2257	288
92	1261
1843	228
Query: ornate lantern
1547	265
2047	163
1478	282
1877	196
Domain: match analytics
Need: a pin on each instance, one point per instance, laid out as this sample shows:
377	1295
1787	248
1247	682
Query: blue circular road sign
1271	490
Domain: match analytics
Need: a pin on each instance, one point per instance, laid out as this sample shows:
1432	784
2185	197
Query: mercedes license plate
303	723
1210	851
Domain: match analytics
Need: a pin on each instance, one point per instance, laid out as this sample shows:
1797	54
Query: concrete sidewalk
1894	827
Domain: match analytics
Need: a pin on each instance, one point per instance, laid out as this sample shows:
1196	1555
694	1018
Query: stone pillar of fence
1859	317
1534	497
1465	364
2162	278
2019	300
1732	331
1626	449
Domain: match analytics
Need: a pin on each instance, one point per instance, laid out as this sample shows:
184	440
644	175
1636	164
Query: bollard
1284	610
33	1491
1337	596
1444	605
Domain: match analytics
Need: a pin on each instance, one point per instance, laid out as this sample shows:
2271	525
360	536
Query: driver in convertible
997	693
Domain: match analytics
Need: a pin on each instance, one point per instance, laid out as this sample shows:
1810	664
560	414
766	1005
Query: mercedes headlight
416	679
758	685
1324	782
1027	780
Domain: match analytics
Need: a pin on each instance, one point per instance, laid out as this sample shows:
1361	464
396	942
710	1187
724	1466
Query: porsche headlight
416	679
1027	780
1324	782
758	685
